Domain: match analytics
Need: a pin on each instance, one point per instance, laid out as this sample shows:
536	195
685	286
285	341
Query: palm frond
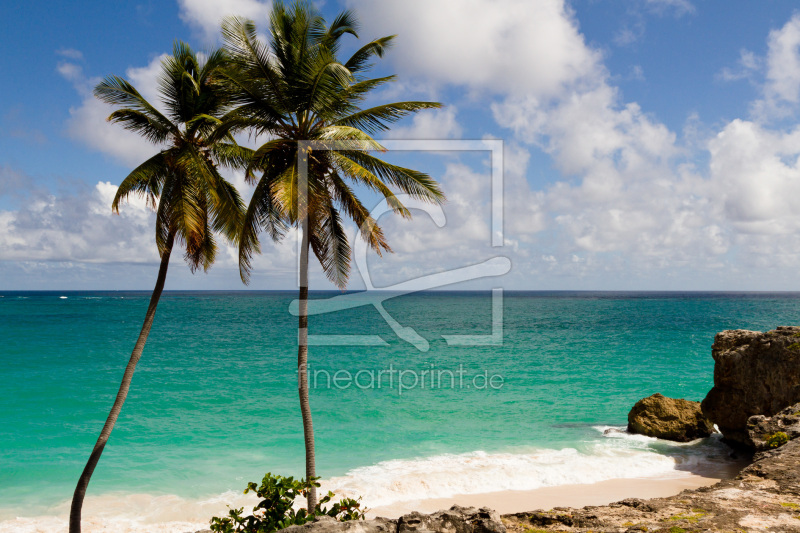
223	205
364	176
145	181
367	226
135	109
261	213
359	61
412	182
379	117
231	155
328	239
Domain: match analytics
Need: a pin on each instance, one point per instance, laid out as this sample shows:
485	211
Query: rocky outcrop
764	497
765	433
457	519
669	418
328	524
754	374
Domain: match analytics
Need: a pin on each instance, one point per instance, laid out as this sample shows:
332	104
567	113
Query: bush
777	439
275	511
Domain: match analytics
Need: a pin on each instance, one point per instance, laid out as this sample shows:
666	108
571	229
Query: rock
765	496
327	524
455	520
763	431
754	374
669	418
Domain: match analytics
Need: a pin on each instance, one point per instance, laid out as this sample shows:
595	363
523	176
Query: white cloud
525	47
206	15
79	232
679	7
782	84
628	198
430	124
70	71
87	122
749	64
756	172
70	53
78	228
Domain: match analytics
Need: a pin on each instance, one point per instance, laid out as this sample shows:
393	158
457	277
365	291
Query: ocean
214	403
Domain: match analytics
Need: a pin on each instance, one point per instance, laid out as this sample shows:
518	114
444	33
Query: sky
644	144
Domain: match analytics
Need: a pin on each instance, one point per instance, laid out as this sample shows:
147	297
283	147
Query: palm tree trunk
83	482
302	368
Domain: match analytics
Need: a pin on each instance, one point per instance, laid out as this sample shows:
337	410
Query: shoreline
574	495
168	520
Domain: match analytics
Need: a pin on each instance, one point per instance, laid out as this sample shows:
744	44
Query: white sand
601	493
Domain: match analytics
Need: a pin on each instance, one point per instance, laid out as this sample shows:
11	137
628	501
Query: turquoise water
214	401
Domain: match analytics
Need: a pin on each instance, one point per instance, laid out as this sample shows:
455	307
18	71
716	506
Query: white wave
623	456
620	456
134	513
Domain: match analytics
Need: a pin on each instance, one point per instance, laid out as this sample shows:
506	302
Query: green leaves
276	509
182	182
295	89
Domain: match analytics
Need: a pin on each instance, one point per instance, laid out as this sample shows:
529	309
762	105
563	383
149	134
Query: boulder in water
669	418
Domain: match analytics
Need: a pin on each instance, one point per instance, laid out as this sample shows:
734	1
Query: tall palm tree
181	182
295	90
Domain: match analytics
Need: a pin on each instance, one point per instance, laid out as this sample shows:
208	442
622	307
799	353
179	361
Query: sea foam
617	456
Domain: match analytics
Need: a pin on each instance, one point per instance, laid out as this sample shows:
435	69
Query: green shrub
777	439
275	511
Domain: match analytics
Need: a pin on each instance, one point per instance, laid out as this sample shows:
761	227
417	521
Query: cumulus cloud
757	172
87	122
525	47
625	194
431	124
78	232
782	85
77	227
205	16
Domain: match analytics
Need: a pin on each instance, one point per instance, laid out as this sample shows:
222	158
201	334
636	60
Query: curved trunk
302	368
83	482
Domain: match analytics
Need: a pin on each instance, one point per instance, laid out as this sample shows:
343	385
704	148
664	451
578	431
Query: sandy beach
601	493
176	515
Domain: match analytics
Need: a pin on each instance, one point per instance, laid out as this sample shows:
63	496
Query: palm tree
181	182
296	90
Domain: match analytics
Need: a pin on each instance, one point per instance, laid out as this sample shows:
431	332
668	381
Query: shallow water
214	405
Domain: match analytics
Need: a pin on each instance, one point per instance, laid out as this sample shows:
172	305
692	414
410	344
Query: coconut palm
181	182
296	90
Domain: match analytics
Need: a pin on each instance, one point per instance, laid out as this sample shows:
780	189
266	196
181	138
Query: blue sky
648	144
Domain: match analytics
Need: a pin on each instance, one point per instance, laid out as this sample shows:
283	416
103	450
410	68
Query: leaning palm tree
181	182
296	92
